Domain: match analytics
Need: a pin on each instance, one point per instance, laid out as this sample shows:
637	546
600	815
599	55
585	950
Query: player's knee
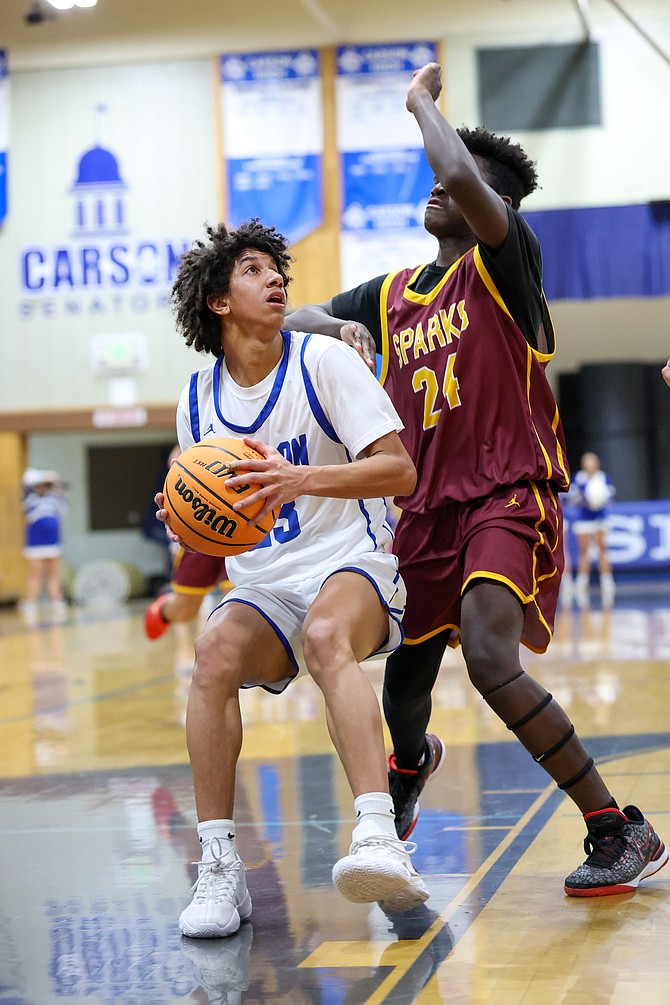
322	645
488	659
215	663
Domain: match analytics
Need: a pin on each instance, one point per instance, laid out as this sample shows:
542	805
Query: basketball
200	506
597	492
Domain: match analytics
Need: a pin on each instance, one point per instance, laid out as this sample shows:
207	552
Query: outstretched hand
666	373
359	338
428	78
279	481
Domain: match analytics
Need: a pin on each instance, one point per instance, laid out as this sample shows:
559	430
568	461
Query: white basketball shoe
221	900
378	868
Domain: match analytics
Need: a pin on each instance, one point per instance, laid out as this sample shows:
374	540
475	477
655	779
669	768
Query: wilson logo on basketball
197	493
204	513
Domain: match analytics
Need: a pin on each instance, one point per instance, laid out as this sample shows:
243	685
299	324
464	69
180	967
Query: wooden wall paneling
316	269
12	563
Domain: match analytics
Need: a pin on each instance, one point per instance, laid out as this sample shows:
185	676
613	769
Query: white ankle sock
374	815
223	831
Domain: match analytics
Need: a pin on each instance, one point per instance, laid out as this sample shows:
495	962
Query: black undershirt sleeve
515	268
362	304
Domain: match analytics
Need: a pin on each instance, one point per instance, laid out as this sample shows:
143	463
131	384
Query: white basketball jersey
320	405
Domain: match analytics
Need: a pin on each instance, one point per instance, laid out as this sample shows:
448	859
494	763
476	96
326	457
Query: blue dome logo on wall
99	194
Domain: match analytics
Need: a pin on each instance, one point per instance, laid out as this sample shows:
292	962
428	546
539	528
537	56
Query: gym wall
161	120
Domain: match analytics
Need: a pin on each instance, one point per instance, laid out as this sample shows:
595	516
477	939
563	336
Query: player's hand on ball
359	338
162	514
163	517
279	481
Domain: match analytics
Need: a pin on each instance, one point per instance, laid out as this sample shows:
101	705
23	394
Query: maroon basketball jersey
472	393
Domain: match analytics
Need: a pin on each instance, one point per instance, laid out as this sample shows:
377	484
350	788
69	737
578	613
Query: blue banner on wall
273	139
638	536
386	179
385	189
4	131
606	251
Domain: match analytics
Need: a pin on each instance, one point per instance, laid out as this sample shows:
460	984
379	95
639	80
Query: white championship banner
273	139
386	178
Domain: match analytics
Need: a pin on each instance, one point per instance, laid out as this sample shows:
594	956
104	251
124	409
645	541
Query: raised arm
454	167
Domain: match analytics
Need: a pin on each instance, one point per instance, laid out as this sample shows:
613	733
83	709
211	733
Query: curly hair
511	170
205	271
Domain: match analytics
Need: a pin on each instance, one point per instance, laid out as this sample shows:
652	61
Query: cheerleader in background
43	506
591	492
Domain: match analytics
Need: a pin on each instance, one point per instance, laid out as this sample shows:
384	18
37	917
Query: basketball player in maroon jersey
464	343
193	577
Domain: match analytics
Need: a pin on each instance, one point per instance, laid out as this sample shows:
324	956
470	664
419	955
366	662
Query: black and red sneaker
406	785
622	848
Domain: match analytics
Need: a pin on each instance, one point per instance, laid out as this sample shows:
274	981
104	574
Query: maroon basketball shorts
513	536
194	573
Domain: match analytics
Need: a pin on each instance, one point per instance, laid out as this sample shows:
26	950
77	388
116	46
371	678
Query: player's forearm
368	478
449	158
313	318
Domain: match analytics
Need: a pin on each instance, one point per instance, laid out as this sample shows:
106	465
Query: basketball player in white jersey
322	591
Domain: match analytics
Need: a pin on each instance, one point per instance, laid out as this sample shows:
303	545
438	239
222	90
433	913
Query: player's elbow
406	477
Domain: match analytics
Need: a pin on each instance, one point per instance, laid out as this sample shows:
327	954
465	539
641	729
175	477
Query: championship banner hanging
386	178
273	139
4	132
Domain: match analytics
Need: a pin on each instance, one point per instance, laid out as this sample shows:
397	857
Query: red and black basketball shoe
622	848
406	785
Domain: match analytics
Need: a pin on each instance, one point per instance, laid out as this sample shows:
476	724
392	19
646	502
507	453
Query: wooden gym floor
97	832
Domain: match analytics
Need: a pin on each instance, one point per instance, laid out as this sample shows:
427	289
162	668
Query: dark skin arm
482	213
456	170
319	318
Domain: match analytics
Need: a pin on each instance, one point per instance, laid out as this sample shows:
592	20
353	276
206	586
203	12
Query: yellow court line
399	972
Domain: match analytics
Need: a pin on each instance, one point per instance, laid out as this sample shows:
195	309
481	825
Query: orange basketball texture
200	506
